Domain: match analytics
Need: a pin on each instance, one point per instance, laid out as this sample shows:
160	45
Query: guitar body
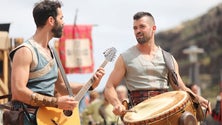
55	116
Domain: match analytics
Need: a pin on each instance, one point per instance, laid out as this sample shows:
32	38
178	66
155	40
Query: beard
143	39
57	30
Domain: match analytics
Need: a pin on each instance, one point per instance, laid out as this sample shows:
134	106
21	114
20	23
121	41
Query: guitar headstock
110	54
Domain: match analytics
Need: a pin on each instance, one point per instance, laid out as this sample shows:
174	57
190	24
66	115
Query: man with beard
143	68
35	75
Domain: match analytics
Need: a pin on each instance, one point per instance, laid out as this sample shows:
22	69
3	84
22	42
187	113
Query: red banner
75	49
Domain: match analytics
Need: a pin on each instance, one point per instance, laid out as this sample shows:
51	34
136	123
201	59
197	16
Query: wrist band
42	100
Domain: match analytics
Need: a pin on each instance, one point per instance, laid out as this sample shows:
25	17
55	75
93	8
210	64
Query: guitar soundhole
67	112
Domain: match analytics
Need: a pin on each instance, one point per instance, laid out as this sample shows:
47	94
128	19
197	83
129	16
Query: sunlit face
143	30
58	25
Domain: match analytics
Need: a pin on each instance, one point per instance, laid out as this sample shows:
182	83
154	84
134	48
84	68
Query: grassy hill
205	32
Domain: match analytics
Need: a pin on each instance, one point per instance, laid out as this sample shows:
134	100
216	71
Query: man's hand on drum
206	104
119	109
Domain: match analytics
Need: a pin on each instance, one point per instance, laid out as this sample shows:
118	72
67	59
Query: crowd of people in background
96	110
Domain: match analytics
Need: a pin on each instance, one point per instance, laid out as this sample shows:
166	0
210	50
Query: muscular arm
20	74
183	87
181	84
19	79
114	79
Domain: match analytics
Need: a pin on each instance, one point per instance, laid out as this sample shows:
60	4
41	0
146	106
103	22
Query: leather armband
42	100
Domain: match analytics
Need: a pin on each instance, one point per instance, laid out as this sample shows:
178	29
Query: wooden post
5	67
4	80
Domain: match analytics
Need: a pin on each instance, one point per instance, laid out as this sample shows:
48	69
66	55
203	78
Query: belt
17	105
141	95
31	109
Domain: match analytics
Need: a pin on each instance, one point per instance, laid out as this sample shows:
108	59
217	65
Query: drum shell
172	117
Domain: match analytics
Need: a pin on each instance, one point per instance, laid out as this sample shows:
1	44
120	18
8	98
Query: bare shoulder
23	54
120	59
120	62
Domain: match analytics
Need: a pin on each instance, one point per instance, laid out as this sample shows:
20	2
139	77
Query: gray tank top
144	74
43	70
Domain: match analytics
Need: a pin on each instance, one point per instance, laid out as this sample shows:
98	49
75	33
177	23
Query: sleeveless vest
144	74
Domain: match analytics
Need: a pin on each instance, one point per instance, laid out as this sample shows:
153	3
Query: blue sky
112	17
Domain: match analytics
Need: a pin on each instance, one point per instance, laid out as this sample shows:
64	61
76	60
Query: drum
163	109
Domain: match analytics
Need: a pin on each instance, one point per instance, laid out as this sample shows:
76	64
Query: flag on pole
75	49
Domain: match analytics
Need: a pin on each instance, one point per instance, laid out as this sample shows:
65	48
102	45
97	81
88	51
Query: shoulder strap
59	63
172	76
168	60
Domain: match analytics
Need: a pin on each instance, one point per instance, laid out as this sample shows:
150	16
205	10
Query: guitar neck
86	87
109	54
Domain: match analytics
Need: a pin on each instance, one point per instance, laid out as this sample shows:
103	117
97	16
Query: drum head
156	106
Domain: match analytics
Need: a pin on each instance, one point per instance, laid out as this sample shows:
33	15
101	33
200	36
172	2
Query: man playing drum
143	68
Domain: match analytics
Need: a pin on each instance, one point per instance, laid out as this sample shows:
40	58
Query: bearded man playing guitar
35	74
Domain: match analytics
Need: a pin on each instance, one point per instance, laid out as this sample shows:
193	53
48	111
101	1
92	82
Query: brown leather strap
42	100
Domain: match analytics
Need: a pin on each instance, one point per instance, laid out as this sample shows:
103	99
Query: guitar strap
58	61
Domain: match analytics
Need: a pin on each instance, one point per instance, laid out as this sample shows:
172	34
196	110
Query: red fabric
216	116
76	33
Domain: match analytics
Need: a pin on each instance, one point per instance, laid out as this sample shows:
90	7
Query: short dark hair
141	14
44	9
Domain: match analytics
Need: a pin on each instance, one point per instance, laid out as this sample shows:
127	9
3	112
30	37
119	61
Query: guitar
56	116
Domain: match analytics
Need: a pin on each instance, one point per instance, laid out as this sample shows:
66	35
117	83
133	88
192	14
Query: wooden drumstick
126	105
130	111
